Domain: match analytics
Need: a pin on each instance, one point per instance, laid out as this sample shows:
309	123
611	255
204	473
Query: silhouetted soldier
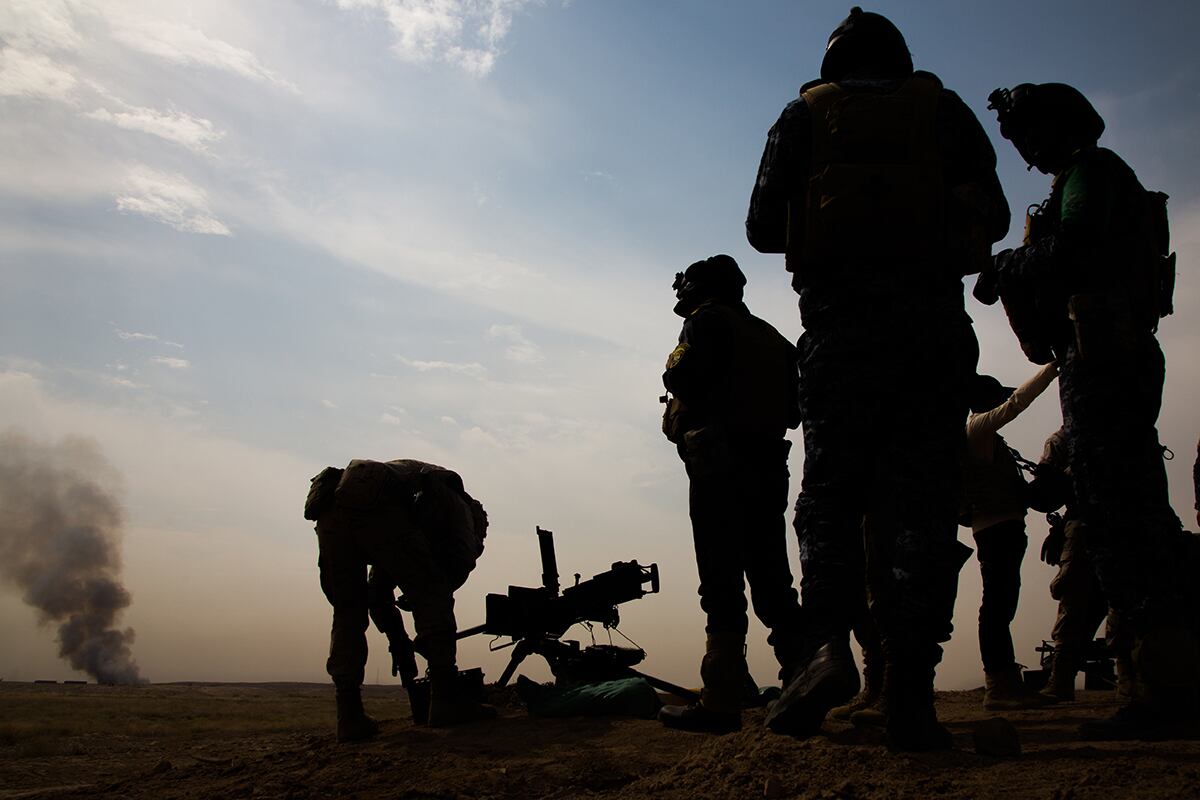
733	378
416	522
880	186
1099	261
994	499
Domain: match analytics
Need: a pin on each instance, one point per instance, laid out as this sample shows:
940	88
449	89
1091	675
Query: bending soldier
1099	261
880	187
733	378
416	523
994	498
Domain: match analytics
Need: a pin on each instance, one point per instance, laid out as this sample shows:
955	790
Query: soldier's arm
988	422
695	367
970	163
783	167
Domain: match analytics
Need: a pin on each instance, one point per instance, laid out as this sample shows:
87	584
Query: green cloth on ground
627	697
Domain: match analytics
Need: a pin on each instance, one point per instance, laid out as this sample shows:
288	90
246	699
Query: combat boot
1060	685
723	672
1005	691
828	677
875	715
872	689
912	723
353	724
447	706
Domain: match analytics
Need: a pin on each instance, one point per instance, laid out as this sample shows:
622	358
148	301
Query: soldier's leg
1000	550
1081	609
764	552
343	570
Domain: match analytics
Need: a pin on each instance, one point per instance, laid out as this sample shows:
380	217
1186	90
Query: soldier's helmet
985	393
869	43
1044	121
715	278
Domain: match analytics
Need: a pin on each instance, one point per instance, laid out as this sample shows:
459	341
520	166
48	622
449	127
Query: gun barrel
549	562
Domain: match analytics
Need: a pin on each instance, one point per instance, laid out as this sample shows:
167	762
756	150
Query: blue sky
243	241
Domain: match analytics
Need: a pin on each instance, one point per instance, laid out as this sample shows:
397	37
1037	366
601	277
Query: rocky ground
276	741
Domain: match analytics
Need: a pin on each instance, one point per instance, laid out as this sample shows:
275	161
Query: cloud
520	349
194	133
33	75
133	336
183	44
478	436
463	33
170	199
473	369
39	24
172	363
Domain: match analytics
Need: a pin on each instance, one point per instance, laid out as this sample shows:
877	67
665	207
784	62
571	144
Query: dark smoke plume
59	526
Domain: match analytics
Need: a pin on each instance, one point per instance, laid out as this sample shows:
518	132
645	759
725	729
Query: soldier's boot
1165	689
353	724
912	723
1005	691
876	714
723	672
447	706
1060	685
827	678
872	688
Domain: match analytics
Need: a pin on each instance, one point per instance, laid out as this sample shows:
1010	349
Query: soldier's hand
987	287
1052	547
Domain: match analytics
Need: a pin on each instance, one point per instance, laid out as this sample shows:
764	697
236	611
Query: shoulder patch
677	355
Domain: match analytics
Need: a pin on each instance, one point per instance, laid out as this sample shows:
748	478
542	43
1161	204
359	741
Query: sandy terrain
276	741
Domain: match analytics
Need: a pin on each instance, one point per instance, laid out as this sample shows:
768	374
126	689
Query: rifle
535	619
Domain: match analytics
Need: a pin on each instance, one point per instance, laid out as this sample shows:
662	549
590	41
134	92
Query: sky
243	241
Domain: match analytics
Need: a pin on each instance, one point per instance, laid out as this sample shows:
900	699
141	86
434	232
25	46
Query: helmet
715	278
1046	121
866	41
985	393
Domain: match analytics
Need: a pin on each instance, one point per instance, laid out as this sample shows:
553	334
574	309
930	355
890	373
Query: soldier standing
1099	259
880	187
733	378
996	503
416	523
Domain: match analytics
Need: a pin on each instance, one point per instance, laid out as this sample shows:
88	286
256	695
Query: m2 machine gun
535	618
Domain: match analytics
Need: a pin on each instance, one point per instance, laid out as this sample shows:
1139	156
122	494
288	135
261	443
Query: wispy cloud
473	369
194	133
467	34
171	362
39	24
170	199
520	349
32	75
184	44
134	336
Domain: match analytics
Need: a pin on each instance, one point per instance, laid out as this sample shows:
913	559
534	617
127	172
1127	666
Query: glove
1052	545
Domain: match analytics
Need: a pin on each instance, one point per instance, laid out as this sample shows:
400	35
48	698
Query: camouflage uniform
416	523
1112	372
885	360
736	376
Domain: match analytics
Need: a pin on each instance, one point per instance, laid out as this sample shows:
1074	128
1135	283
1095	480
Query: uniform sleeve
989	422
784	165
970	163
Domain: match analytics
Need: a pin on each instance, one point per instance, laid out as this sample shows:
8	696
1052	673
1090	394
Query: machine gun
535	618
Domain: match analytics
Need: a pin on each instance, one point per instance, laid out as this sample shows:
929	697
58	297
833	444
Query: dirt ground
276	741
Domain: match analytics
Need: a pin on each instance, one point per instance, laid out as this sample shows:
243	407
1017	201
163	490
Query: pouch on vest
321	493
877	187
674	419
1164	259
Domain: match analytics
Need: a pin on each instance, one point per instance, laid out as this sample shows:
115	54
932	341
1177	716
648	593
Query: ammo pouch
321	492
674	420
707	452
1105	326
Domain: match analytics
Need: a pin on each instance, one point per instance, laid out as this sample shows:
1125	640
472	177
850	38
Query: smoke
59	525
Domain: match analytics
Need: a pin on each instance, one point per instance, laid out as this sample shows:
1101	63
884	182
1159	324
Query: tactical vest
876	190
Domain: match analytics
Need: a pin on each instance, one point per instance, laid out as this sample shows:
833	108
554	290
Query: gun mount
536	618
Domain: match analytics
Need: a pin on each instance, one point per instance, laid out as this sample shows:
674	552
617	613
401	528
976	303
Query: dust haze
60	525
